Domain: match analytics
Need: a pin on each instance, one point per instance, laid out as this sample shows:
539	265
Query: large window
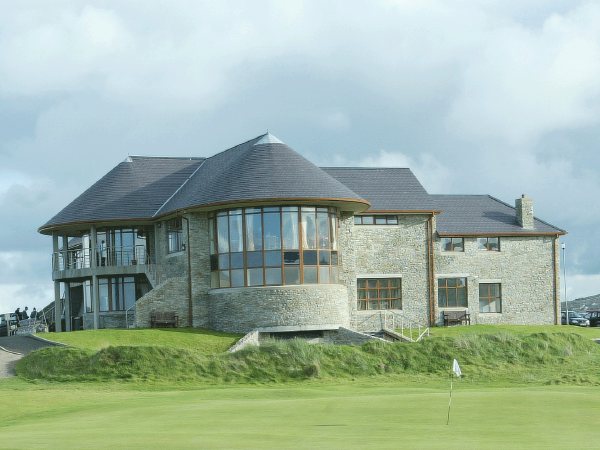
270	246
490	298
452	292
379	293
376	220
119	293
453	244
175	235
491	244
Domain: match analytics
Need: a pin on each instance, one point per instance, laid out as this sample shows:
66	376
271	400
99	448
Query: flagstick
450	402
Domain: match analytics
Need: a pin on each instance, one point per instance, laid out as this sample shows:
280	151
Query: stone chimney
524	207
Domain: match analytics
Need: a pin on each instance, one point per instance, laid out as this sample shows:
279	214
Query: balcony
108	261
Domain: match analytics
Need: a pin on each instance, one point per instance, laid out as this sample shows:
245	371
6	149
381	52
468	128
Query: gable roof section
262	169
482	215
387	189
134	189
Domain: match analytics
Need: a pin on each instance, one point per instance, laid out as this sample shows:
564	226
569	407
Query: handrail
127	317
107	256
390	319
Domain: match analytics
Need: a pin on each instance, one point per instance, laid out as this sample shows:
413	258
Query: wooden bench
163	319
461	317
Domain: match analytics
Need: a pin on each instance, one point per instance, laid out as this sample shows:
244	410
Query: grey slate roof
260	169
389	189
482	214
134	189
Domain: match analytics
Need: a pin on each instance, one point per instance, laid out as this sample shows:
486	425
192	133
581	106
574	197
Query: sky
492	97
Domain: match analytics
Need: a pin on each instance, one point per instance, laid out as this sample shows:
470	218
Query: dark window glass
324	257
491	244
310	257
254	259
490	298
237	260
291	257
214	262
224	261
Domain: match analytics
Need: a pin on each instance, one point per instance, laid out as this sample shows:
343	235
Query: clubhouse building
258	237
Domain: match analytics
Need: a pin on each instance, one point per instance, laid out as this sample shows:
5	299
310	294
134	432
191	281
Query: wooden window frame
489	298
486	245
453	244
331	213
455	288
389	219
363	304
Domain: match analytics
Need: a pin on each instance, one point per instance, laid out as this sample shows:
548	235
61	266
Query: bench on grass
163	319
460	317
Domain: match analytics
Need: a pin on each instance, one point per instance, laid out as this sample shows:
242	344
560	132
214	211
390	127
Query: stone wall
169	296
523	267
380	251
240	310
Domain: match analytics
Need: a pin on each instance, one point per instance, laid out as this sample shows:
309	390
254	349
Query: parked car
5	325
594	318
575	319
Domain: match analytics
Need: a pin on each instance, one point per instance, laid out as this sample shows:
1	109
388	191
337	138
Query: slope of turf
193	339
539	358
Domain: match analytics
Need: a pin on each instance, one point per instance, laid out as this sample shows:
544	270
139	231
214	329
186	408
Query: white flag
456	368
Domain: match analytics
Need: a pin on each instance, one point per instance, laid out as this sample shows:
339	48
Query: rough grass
591	333
535	358
193	339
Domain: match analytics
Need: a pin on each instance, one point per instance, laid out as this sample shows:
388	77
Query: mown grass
535	358
337	414
192	339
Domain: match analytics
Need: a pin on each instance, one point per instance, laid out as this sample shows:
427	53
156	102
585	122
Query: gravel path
13	348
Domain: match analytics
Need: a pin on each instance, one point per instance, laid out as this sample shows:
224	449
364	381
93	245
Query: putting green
312	415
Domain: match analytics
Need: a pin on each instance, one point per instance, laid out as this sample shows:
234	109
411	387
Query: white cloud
33	295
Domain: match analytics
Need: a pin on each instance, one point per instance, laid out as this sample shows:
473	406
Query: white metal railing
109	256
129	311
392	321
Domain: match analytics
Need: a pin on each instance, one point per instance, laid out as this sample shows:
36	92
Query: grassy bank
536	358
193	339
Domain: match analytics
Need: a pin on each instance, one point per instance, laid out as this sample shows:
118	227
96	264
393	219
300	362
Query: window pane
324	275
450	282
482	243
290	230
442	298
214	262
372	283
310	275
235	233
461	297
361	283
224	261
253	232
254	259
452	297
494	244
272	231
334	275
223	234
273	276
357	220
237	260
255	277
224	278
367	220
291	257
129	293
310	257
392	220
458	244
380	220
446	244
309	228
333	231
273	258
292	274
237	278
323	230
324	257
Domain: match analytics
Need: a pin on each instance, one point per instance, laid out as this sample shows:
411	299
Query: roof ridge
190	158
179	188
364	168
237	145
534	217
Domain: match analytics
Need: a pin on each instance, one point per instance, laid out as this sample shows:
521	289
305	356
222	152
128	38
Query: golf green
312	415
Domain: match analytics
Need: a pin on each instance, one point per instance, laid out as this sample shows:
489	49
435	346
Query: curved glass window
274	245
